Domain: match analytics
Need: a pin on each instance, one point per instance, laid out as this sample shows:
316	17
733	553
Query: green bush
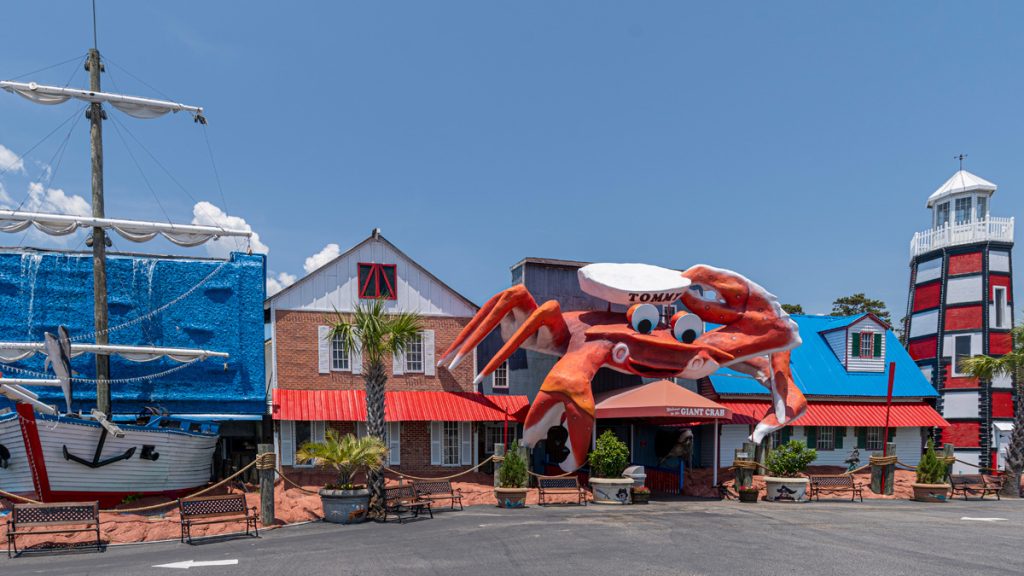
610	457
790	459
931	470
512	473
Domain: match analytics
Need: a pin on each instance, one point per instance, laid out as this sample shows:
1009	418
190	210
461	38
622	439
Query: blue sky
795	142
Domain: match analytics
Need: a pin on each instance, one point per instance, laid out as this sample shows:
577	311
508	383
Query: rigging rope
169	371
76	58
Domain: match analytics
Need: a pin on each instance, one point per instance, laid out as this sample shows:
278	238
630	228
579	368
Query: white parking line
982	519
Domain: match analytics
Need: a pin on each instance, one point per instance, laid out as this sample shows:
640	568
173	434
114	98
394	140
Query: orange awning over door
659	400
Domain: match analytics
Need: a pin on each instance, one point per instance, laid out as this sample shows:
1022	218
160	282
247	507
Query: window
339	354
873	438
961	351
867	344
1000	297
501	376
826	438
495	434
450	444
963	210
377	281
942	215
981	208
414	354
303	434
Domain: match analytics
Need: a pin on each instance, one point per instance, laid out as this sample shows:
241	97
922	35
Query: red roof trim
402	406
870	414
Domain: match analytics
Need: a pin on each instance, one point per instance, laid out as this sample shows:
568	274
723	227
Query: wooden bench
402	500
85	515
565	485
214	510
833	483
439	490
982	484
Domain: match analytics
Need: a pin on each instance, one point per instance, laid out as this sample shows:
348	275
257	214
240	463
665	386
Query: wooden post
266	486
745	476
882	477
947	452
99	237
499	456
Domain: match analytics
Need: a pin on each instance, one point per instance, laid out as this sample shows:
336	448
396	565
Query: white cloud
206	214
54	201
280	282
330	252
9	161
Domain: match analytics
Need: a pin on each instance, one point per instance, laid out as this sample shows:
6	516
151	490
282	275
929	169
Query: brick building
437	423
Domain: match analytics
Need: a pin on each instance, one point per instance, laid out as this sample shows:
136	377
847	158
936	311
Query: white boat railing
997	229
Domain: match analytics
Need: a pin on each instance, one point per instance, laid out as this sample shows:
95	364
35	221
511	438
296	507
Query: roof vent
375	233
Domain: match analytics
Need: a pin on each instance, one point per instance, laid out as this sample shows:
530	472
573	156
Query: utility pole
99	236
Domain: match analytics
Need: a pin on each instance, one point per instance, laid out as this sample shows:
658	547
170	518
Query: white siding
857	364
965	289
960	404
971	457
924	323
948	347
908	447
733	436
929	270
1002	381
998	261
927	371
335	286
836	340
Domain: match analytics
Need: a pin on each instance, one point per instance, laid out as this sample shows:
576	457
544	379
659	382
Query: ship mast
99	235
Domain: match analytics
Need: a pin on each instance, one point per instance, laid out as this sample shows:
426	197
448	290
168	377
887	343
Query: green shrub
790	459
610	457
512	473
931	470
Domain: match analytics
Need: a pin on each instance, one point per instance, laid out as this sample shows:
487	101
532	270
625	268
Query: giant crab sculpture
754	337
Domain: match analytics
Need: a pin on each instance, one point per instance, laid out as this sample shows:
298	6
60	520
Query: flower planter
930	492
511	497
611	490
641	497
749	496
785	489
345	506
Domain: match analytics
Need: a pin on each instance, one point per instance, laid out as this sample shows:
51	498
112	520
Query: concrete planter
345	506
785	489
930	492
511	497
611	490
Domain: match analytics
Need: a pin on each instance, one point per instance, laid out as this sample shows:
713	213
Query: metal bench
403	501
833	483
85	515
214	510
439	490
565	485
982	484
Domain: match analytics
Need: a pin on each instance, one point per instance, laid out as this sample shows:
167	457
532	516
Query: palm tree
347	454
1011	364
380	335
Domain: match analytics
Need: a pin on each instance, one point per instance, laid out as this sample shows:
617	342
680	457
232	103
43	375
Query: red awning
661	400
871	414
403	406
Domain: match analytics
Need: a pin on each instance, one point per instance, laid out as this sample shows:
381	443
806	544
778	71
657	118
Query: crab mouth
651	371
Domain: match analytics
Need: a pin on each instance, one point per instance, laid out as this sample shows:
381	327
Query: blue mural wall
42	290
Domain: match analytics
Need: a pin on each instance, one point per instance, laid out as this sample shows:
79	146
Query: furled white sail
131	105
14	351
133	230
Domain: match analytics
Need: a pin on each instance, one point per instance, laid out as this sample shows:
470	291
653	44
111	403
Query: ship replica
54	453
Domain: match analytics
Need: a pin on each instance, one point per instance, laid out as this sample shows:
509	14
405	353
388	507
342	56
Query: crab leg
515	301
545	323
788	402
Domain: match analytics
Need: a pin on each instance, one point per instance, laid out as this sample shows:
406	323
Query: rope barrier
10	496
266	461
173	502
402	476
289	480
882	460
747	465
535	475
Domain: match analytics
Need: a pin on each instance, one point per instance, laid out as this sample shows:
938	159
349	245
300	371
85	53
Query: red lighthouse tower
960	305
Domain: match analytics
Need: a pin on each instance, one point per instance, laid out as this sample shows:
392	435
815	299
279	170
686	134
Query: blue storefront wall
42	290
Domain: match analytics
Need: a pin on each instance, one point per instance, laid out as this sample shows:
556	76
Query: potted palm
785	464
607	462
931	476
511	489
345	502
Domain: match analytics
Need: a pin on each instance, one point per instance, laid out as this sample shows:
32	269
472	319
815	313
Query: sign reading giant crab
754	337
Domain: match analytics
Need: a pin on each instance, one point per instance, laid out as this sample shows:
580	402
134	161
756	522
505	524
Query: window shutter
892	435
356	358
428	353
878	345
398	364
435	443
787	433
394	443
840	431
287	443
466	441
812	436
323	349
318	431
862	437
855	343
360	429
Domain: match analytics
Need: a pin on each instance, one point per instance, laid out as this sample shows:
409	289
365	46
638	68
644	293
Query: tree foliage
860	304
347	454
792	308
610	457
790	459
930	470
512	473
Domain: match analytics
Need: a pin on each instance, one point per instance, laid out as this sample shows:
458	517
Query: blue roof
818	372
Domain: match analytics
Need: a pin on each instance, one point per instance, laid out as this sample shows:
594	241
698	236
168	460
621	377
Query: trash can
637	474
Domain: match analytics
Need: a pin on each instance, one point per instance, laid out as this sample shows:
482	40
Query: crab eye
686	327
643	317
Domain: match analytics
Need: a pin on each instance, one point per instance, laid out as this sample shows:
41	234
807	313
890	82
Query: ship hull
63	463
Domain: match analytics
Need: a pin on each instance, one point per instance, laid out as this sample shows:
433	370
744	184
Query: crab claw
563	427
515	304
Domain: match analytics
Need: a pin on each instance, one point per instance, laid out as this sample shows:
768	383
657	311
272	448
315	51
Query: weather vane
961	158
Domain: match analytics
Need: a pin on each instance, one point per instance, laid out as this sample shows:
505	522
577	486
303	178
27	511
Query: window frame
378	277
498	430
1000	307
411	353
296	442
956	357
943	209
336	342
867	344
825	438
967	212
981	208
445	443
874	443
500	373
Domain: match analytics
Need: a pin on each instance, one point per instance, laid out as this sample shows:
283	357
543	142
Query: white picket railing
998	229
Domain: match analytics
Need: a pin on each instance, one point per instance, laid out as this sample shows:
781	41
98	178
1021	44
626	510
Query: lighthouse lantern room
960	305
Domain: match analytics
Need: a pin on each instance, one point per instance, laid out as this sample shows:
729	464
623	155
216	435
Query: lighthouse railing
997	229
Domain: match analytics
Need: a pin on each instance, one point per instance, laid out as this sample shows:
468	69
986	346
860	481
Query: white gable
334	286
865	362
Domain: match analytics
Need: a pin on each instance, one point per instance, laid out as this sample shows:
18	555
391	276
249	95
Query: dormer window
377	281
866	344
